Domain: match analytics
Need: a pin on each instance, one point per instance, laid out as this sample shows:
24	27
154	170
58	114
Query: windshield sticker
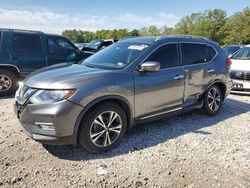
137	47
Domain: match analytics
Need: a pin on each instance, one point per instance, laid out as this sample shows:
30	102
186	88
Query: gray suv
132	81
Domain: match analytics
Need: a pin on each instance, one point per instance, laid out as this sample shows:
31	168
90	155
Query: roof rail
183	36
25	30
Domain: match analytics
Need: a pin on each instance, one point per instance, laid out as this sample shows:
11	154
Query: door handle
179	77
210	70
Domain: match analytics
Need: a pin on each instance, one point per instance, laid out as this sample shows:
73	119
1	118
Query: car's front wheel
212	100
103	127
8	83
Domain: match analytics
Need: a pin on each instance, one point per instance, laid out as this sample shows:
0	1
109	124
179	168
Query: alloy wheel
5	83
214	99
105	129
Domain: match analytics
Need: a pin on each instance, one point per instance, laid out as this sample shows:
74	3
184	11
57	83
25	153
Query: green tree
237	28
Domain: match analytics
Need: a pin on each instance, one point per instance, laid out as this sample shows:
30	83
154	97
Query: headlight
50	96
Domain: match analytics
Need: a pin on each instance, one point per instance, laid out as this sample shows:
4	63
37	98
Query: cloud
53	22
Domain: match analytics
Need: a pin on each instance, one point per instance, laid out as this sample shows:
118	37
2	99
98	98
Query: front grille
240	75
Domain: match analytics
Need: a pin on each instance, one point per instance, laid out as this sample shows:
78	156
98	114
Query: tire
94	128
212	101
8	83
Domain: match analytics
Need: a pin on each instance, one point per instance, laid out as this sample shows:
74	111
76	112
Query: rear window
243	53
194	53
23	42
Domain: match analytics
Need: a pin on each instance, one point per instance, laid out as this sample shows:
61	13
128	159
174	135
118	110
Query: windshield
243	53
94	44
116	56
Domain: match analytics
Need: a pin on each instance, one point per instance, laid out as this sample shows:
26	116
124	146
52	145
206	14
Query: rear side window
166	55
23	42
59	44
193	53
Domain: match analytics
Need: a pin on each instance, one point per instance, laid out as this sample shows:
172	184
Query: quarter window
23	42
167	56
210	52
196	53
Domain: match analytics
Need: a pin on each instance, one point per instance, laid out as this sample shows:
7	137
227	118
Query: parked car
22	52
132	81
80	45
231	49
240	70
97	45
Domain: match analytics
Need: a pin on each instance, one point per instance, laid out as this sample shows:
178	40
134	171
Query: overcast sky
54	16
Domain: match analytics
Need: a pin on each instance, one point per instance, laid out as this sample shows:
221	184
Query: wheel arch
11	68
221	84
121	101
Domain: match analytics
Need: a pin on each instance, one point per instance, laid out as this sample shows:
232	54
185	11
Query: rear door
199	69
27	52
160	92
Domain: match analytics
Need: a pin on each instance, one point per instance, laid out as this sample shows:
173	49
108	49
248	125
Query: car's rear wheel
212	100
103	127
7	83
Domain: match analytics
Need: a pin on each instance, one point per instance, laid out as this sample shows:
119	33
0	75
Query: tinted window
167	56
196	53
210	53
193	53
23	42
59	44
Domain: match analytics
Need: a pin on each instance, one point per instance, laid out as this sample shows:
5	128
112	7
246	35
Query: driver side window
166	55
58	44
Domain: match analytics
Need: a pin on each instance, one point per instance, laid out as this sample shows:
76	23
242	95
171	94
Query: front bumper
60	116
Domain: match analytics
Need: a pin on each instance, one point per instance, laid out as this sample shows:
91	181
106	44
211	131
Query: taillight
228	63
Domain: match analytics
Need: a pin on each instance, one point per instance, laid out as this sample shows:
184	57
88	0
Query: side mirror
150	66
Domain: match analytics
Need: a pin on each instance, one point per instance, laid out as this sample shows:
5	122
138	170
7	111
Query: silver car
133	81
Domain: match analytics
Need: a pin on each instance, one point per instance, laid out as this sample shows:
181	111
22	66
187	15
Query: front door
61	50
160	92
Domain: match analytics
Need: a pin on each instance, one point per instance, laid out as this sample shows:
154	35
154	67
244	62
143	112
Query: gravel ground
190	150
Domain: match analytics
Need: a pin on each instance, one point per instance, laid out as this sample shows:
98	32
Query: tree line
213	24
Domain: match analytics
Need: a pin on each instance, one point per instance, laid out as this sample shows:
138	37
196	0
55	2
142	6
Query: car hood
61	76
240	65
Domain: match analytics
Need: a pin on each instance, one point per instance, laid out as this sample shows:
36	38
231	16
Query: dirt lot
190	150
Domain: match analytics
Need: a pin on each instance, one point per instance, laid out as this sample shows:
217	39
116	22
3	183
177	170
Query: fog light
46	126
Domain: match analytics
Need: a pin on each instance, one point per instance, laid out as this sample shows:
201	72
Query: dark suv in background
130	82
22	52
